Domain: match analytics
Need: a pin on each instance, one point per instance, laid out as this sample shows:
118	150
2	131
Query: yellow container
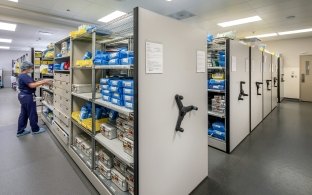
76	116
37	62
218	76
84	63
87	123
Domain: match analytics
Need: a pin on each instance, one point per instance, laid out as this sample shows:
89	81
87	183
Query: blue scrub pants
28	111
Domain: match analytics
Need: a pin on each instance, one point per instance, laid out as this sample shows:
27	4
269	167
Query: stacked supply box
62	104
218	104
118	91
122	57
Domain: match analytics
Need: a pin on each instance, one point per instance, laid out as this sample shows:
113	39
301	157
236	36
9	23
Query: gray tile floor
34	165
275	160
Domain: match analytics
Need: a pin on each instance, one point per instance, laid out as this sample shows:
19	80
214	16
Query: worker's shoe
25	132
41	130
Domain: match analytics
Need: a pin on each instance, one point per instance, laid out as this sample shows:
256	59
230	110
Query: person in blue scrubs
26	97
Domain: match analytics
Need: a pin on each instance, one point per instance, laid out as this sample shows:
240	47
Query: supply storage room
155	98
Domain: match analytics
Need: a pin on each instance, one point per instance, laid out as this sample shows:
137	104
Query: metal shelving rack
112	35
219	44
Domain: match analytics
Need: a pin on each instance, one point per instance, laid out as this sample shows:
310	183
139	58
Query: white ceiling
35	15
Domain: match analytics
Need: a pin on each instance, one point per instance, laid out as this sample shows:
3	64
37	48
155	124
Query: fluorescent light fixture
4	47
295	31
45	33
7	26
112	16
16	1
5	40
240	21
262	36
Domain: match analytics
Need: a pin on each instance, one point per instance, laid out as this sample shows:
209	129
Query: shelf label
234	64
154	58
201	62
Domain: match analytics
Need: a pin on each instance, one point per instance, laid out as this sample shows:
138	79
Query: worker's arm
39	83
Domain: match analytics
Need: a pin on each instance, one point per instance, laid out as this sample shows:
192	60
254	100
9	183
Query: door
171	162
256	87
274	81
281	78
306	78
267	84
239	93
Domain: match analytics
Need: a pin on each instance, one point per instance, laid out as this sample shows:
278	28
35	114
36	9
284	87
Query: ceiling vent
181	15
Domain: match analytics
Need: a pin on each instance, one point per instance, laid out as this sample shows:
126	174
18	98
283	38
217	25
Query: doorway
306	78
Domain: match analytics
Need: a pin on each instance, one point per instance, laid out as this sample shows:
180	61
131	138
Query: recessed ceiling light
112	16
16	1
45	33
262	36
5	40
240	21
4	47
7	26
169	0
295	31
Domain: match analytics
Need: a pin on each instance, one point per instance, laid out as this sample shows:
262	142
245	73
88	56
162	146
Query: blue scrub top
24	80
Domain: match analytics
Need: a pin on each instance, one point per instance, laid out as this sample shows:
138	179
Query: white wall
291	49
6	57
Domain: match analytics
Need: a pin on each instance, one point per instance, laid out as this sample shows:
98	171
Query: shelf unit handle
242	93
258	87
182	112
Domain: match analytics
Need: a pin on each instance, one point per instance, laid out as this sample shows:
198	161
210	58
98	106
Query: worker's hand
47	81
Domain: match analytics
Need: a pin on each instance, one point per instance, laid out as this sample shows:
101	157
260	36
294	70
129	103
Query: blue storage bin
98	113
104	87
129	84
222	63
59	55
97	61
221	52
128	91
114	55
210	131
126	54
218	126
116	83
128	98
129	105
210	38
113	116
221	58
127	61
87	56
52	67
216	87
115	89
216	82
106	98
218	134
117	96
117	102
114	62
104	81
106	92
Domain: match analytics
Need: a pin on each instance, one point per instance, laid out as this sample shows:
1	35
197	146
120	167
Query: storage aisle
274	160
34	164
